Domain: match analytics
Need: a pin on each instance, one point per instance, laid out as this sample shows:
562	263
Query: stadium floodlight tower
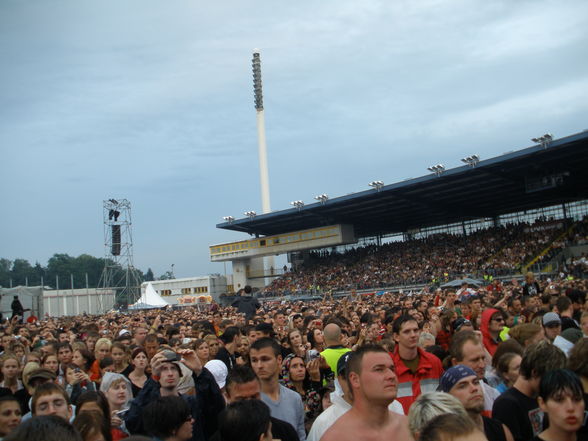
322	198
544	140
262	147
297	204
119	272
472	160
263	168
377	185
437	169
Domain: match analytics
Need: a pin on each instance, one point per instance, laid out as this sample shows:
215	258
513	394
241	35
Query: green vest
332	355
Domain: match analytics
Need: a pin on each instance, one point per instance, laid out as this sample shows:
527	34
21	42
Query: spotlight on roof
472	160
297	204
322	198
437	169
250	214
377	185
229	219
544	140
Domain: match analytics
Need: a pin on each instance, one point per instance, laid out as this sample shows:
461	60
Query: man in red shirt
418	371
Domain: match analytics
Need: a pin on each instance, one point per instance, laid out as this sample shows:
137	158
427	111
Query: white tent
149	299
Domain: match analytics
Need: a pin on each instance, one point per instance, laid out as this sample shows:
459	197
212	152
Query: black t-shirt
567	322
493	429
520	413
280	430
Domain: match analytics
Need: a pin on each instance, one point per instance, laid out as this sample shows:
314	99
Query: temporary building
149	299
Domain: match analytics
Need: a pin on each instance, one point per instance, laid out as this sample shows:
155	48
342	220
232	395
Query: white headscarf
111	377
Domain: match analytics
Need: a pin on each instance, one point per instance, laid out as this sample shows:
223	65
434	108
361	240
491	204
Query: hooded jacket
489	343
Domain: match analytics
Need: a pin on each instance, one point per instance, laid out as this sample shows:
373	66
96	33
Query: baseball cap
459	322
551	318
342	363
172	357
41	373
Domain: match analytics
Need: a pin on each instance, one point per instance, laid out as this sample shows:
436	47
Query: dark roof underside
531	178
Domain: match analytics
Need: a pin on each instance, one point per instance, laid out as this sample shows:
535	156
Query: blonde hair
103	342
430	405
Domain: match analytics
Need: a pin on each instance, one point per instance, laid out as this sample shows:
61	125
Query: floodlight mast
262	147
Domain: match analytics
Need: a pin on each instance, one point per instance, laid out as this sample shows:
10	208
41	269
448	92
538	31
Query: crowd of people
494	251
506	361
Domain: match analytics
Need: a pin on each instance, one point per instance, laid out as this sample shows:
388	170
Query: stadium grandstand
522	211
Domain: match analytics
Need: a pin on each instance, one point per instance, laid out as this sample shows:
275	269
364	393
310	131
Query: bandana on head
452	375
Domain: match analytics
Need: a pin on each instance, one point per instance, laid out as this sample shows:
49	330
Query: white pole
262	147
263	168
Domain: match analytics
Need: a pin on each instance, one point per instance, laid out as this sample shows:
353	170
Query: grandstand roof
530	178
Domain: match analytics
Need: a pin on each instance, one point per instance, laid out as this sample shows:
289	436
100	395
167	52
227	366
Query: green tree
166	276
5	267
148	276
21	272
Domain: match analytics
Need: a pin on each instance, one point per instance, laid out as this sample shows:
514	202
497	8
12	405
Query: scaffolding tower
119	272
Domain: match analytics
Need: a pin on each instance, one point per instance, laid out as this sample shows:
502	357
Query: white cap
219	371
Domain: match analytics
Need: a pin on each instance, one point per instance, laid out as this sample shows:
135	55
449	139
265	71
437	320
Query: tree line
60	270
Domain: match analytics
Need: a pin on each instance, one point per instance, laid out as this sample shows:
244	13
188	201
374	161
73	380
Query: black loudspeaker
115	240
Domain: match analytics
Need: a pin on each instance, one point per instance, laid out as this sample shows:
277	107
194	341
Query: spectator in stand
138	376
463	383
306	380
334	348
10	414
49	361
508	369
242	384
83	359
284	403
92	427
45	428
51	399
118	392
246	421
373	385
451	427
10	369
527	334
168	419
201	348
560	398
429	406
518	408
120	355
213	345
563	305
578	363
531	286
466	349
205	404
230	338
246	303
491	327
551	325
417	371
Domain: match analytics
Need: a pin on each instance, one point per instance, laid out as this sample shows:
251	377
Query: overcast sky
152	101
